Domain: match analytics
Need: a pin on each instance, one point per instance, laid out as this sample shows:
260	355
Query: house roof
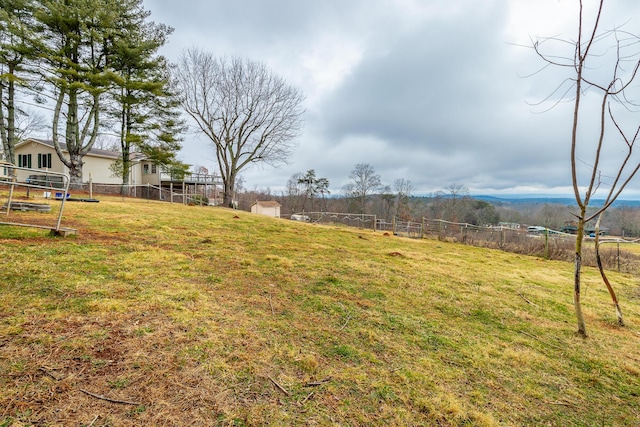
93	152
267	204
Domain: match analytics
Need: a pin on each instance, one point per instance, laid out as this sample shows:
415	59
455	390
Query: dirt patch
83	370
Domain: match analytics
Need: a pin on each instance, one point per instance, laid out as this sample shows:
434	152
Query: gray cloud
429	91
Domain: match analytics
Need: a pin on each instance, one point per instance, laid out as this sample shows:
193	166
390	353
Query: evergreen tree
313	186
78	37
17	48
145	107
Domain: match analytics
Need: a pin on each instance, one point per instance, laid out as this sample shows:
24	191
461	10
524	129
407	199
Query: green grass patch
194	314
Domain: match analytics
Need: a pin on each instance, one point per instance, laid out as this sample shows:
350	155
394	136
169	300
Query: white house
39	154
269	208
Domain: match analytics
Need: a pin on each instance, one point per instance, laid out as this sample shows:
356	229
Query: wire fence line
544	243
495	236
363	221
398	227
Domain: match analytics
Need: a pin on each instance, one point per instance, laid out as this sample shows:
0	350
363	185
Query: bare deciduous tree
458	194
364	182
590	51
296	196
249	114
404	188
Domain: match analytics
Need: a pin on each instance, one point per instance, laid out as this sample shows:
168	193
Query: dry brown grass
193	315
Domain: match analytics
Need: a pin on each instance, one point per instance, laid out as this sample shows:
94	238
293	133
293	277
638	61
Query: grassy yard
161	314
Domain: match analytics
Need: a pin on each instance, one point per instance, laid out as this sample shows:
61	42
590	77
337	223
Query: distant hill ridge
569	201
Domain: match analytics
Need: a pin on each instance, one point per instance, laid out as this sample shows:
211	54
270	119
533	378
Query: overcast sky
433	91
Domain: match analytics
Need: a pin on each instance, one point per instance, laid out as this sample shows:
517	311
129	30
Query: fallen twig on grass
317	383
50	374
525	298
271	305
282	389
306	398
108	399
562	404
345	322
541	340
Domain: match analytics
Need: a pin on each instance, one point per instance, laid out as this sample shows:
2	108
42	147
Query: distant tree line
306	192
365	193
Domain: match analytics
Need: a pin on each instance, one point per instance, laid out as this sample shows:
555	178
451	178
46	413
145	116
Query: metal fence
401	228
545	243
20	184
365	221
498	237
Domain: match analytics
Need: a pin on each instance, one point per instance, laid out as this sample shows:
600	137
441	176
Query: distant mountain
535	200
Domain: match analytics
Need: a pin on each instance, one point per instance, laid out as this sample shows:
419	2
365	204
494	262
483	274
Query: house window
24	160
154	168
145	168
44	161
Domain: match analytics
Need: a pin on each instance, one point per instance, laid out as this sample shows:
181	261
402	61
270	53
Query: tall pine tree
145	108
78	38
18	42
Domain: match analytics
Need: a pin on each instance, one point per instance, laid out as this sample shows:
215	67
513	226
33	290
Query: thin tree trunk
3	128
605	279
11	117
582	328
8	123
125	126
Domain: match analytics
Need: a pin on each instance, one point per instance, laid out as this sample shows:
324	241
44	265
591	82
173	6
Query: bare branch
108	399
249	114
612	88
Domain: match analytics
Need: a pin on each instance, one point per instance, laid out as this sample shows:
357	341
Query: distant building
512	225
569	229
536	229
269	208
591	230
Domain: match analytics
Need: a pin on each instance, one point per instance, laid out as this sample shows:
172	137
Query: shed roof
267	203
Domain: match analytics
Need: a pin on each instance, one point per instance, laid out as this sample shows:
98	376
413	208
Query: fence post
375	223
546	243
14	179
171	192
